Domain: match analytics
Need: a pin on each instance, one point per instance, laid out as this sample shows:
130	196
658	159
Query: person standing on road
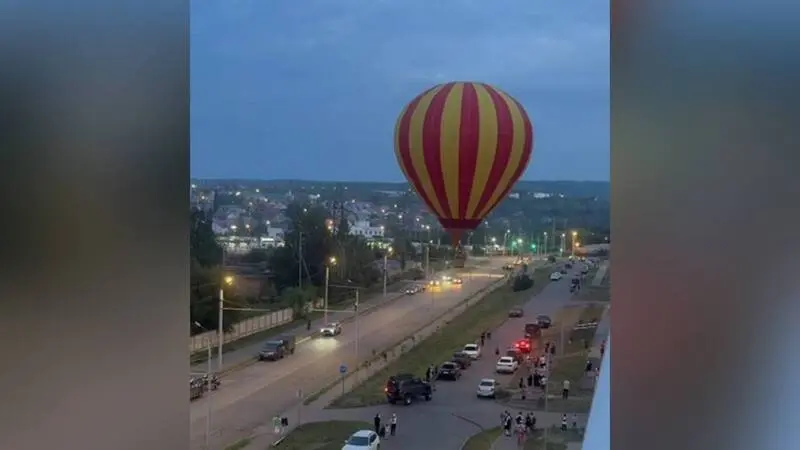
565	390
393	421
507	425
574	421
530	380
564	422
377	422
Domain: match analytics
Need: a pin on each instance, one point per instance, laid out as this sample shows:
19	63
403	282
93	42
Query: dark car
462	359
516	312
515	353
533	331
276	349
568	266
563	271
576	281
544	321
449	371
405	388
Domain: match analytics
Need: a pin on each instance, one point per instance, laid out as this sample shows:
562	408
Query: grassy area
239	445
572	364
483	440
486	314
328	435
556	439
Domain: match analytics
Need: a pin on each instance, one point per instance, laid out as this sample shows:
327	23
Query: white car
363	440
332	329
487	388
506	364
555	276
472	350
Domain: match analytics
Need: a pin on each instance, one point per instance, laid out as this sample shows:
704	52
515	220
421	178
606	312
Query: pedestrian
589	365
564	422
393	429
537	380
521	383
377	422
497	351
382	432
530	380
529	423
428	375
507	425
523	393
308	324
519	420
553	350
533	422
602	348
489	335
483	338
574	421
565	390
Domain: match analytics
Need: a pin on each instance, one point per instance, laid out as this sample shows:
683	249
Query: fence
241	329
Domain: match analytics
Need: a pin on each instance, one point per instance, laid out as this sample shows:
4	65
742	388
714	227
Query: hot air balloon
462	146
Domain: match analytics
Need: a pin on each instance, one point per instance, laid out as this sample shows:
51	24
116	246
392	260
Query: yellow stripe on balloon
517	151
487	146
416	148
449	145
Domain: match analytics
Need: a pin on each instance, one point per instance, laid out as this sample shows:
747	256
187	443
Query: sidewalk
246	354
600	275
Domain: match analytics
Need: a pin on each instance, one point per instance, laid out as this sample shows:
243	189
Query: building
365	229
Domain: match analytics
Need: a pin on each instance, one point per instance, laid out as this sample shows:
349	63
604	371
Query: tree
205	275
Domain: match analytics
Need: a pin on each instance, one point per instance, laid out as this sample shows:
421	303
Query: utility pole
300	259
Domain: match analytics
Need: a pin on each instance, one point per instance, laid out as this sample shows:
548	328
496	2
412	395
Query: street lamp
228	280
561	247
385	269
208	385
331	262
574	238
544	249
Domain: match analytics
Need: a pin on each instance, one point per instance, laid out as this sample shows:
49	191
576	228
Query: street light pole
386	269
357	330
327	277
220	329
208	388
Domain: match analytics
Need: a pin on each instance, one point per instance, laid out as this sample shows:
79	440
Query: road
254	394
455	412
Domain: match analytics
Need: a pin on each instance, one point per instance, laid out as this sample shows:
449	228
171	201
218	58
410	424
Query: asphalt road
251	396
455	412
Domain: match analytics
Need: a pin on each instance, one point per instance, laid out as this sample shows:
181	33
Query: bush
522	282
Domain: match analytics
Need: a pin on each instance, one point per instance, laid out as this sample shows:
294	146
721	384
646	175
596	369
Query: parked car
196	387
276	349
516	312
332	329
458	281
472	350
487	388
405	388
506	364
449	371
462	359
363	440
555	276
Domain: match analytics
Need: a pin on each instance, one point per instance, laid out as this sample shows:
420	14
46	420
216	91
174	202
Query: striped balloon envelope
462	146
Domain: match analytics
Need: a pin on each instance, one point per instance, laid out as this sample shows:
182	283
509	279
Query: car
196	387
472	350
544	321
523	346
434	283
449	371
506	364
411	290
568	266
332	329
487	388
555	276
515	353
516	312
462	359
563	271
405	387
458	281
277	348
363	440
